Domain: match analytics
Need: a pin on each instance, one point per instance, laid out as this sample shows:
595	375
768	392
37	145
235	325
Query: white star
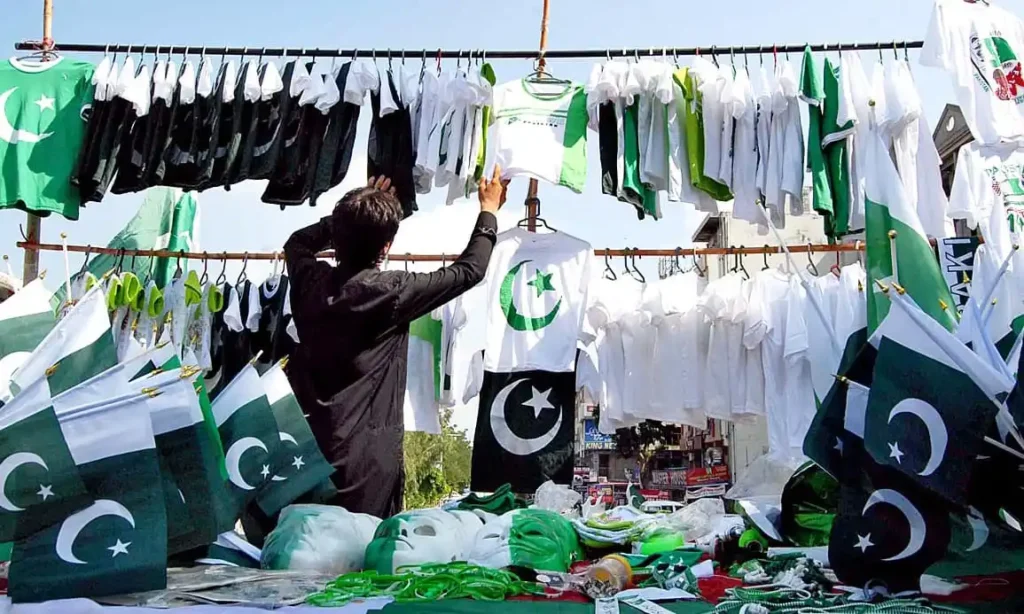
839	445
45	102
119	548
266	471
45	491
297	463
894	452
539	402
863	542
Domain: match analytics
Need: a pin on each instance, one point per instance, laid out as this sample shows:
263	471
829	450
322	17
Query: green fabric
83	364
35	169
809	503
193	289
499	502
24	333
835	145
529	607
813	93
574	164
131	288
694	126
636	191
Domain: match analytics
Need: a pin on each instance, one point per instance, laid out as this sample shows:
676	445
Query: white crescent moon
289	439
938	437
7	131
979	529
234	455
74	524
918	528
509	440
7	467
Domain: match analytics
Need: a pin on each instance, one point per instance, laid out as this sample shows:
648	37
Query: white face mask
319	538
420	537
535	539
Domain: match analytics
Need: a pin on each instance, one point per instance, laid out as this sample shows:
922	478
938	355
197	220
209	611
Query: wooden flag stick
1004	448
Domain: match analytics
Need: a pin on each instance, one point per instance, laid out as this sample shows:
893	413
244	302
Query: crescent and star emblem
918	527
938	436
513	443
297	461
541	283
8	466
12	135
75	523
234	455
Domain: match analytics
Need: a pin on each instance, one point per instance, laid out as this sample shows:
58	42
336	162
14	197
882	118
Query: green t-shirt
813	93
43	113
694	125
636	190
835	144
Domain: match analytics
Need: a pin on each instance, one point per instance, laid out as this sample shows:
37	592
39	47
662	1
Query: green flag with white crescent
303	465
79	347
119	543
167	219
39	482
25	320
892	224
251	441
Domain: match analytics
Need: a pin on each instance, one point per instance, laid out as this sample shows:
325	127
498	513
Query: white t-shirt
730	102
988	192
980	45
711	82
856	108
725	372
680	186
537	294
765	88
658	95
785	175
540	131
423	172
744	171
612	300
362	79
424	376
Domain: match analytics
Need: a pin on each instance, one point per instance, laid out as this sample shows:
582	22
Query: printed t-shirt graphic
43	113
980	45
541	131
537	287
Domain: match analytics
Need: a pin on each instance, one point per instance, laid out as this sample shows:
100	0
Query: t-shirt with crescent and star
43	114
536	294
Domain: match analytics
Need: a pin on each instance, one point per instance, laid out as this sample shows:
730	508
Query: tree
436	466
643	442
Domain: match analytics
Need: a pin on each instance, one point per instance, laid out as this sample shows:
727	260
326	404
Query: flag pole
33	227
532	202
988	304
892	256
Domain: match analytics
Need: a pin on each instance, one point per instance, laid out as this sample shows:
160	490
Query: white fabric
388	104
362	79
711	82
204	80
423	173
680	185
725	374
744	170
271	82
187	84
565	262
765	90
251	84
987	192
330	95
979	45
729	105
612	300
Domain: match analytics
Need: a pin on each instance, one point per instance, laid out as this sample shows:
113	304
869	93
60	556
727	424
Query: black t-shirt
272	338
262	140
131	159
85	176
163	119
221	128
389	152
234	348
608	137
182	158
338	142
116	130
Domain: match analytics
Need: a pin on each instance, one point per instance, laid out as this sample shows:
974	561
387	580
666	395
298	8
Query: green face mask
534	539
420	537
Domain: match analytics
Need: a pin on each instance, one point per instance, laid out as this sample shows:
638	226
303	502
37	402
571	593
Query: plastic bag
557	498
319	538
696	520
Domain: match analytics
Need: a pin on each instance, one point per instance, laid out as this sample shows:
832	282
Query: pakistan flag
25	320
39	483
303	467
79	347
119	543
897	246
251	440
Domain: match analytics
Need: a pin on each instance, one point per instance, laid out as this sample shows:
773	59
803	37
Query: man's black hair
363	223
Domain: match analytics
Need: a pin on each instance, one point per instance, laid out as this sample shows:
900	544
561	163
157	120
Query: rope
426	583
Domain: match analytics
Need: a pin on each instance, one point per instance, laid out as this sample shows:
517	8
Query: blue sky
238	221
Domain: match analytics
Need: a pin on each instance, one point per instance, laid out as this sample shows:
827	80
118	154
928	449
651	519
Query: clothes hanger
639	275
702	272
179	271
222	278
205	276
811	267
743	268
765	254
675	260
120	263
835	269
243	277
609	274
85	263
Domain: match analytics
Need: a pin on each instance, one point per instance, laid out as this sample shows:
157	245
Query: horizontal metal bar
712	251
451	54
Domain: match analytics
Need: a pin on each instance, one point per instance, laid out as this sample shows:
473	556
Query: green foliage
436	466
641	442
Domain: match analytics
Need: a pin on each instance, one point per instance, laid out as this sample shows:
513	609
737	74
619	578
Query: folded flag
119	543
251	441
39	482
80	346
303	465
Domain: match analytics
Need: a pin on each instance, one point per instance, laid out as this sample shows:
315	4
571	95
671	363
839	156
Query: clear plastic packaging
557	498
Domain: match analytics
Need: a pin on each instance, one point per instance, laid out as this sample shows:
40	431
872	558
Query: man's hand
493	192
380	183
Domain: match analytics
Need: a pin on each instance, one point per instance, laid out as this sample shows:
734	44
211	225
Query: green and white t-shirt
43	112
988	192
540	131
980	44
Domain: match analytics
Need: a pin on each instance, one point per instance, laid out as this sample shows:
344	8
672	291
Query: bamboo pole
532	202
33	230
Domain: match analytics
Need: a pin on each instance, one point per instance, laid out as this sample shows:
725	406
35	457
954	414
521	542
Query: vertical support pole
34	225
532	202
